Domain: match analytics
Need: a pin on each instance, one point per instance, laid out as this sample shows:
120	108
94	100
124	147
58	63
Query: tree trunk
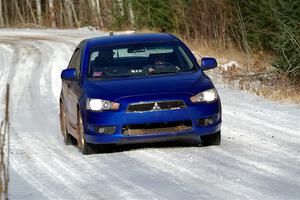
96	12
107	14
39	11
92	5
5	11
69	13
1	15
74	13
31	12
19	12
148	11
60	15
183	16
120	6
82	14
52	14
131	14
99	16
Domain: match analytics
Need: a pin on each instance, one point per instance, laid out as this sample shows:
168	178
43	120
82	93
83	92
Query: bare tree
93	11
99	15
52	14
183	17
107	12
74	12
1	15
5	18
62	14
19	12
131	14
70	9
120	6
96	12
39	11
31	12
69	12
83	15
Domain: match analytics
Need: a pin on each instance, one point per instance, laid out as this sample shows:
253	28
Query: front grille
156	128
154	106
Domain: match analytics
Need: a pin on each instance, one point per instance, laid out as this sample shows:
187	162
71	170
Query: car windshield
138	60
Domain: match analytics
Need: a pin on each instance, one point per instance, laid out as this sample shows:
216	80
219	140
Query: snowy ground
258	159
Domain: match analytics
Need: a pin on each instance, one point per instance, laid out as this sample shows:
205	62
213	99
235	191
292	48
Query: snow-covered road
258	159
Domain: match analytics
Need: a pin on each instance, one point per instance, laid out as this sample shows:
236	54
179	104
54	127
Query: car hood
114	89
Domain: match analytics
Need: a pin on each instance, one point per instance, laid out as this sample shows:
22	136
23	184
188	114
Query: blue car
137	88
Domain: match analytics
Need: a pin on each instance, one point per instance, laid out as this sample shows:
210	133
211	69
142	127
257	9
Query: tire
68	139
214	139
83	146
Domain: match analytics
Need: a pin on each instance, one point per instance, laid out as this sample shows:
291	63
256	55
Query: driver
161	64
158	59
104	59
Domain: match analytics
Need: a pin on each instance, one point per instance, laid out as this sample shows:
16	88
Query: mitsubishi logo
156	106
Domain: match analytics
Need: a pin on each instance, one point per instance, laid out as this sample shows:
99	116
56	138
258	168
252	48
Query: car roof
130	38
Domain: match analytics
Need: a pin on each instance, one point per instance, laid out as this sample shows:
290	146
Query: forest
272	26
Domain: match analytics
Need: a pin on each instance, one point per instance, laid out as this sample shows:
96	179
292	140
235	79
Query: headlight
100	104
206	96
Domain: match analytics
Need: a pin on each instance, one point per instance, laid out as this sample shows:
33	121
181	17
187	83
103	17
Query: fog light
205	121
101	130
105	129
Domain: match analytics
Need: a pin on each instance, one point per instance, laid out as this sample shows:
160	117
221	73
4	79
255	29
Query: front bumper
118	119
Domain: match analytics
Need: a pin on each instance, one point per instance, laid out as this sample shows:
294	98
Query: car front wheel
68	139
83	146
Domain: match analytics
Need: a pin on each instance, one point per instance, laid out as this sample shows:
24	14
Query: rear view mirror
208	63
68	74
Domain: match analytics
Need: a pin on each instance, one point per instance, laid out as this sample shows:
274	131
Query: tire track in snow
5	56
196	179
42	162
51	170
26	56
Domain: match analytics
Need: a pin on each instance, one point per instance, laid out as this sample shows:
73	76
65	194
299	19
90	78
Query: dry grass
250	72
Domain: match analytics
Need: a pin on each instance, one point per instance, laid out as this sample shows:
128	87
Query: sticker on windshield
97	74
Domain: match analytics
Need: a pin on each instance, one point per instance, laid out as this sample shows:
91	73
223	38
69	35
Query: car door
74	91
65	90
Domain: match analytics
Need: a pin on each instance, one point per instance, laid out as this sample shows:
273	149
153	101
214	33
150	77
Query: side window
77	64
186	60
72	61
75	61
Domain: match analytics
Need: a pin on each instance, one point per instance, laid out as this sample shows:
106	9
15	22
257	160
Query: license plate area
157	128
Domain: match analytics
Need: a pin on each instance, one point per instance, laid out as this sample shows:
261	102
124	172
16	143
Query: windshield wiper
170	72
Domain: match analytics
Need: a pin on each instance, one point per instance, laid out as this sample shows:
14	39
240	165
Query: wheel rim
81	141
63	122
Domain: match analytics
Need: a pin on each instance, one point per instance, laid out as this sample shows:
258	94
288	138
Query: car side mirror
208	63
68	74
